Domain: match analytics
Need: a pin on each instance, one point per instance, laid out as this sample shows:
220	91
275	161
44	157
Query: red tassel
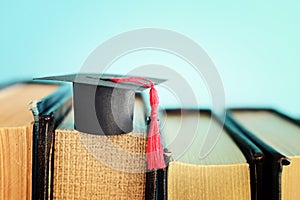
154	150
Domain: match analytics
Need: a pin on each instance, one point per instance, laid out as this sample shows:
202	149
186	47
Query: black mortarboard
102	106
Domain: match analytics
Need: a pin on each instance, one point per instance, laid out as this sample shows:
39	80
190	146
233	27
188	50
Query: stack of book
255	153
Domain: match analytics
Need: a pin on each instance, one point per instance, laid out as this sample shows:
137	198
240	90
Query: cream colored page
224	150
14	103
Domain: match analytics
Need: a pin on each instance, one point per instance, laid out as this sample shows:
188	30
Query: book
278	136
89	166
16	136
255	158
227	172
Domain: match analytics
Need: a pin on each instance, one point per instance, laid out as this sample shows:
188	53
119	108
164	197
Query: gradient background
255	46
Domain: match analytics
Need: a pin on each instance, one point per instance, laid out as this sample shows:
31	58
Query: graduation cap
104	103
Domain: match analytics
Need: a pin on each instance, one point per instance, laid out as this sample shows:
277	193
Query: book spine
157	181
44	142
47	115
162	178
150	190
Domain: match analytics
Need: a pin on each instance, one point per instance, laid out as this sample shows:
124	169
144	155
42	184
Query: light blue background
254	45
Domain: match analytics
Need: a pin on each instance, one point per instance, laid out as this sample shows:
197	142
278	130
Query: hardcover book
278	136
88	166
18	135
227	172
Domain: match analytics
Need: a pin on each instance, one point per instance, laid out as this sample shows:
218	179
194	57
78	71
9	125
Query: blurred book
227	172
18	134
279	137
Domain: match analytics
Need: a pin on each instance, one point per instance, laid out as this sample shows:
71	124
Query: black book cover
48	113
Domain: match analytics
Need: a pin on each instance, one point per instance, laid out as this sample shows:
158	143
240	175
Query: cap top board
99	79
